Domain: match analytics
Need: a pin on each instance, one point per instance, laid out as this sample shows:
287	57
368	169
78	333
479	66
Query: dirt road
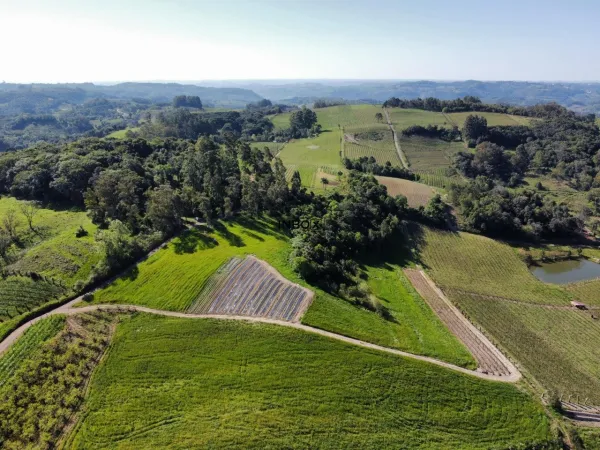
401	154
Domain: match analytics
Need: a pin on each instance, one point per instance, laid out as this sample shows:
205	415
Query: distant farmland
458	118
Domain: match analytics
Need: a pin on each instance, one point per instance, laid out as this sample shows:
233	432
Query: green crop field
181	383
383	150
437	178
429	155
19	295
404	118
349	116
559	347
28	344
52	249
493	119
481	265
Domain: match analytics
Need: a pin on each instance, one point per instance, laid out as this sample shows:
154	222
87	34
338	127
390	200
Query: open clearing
404	118
228	384
489	359
493	119
250	287
417	194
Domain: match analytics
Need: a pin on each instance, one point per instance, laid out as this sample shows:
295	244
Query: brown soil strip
489	358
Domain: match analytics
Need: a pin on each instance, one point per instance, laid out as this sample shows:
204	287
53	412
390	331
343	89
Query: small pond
569	271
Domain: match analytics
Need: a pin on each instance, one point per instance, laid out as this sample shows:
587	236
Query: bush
81	232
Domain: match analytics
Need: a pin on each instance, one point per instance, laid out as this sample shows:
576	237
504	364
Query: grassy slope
478	264
176	383
403	118
173	277
53	249
417	194
429	155
493	119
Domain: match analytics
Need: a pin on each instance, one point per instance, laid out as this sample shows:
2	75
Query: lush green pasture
349	116
404	118
183	383
429	155
122	134
173	277
493	119
28	344
413	326
274	147
481	265
559	347
281	121
307	155
52	249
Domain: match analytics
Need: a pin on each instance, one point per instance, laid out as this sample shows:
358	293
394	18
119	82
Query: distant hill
47	98
582	97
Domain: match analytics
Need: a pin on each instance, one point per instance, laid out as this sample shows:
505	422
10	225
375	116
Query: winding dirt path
401	154
69	309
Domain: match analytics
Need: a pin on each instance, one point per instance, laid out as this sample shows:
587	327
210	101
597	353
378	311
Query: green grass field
173	277
19	295
587	292
493	119
383	150
177	383
52	249
559	347
404	118
122	134
468	262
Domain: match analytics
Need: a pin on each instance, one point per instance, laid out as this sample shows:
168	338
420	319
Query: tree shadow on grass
191	240
232	238
263	225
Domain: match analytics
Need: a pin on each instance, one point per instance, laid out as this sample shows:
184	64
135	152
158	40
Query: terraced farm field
489	359
558	346
232	384
250	287
429	155
481	265
493	119
19	295
437	178
417	194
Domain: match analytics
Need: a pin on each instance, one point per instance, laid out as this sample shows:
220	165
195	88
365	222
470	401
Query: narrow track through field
401	154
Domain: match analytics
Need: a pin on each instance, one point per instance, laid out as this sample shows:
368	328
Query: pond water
570	271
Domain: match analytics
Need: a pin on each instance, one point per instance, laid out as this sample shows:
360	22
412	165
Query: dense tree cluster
188	101
346	227
491	209
303	123
184	124
489	160
368	164
434	132
325	102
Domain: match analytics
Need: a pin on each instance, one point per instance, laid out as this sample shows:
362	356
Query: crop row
484	266
559	347
250	287
21	294
487	359
27	345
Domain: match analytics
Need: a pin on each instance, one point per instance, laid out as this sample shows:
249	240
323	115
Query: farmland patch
417	194
250	287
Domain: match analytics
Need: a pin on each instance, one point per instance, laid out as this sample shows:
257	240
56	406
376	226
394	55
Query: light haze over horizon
133	40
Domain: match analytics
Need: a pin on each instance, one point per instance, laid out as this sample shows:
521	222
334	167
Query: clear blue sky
108	40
